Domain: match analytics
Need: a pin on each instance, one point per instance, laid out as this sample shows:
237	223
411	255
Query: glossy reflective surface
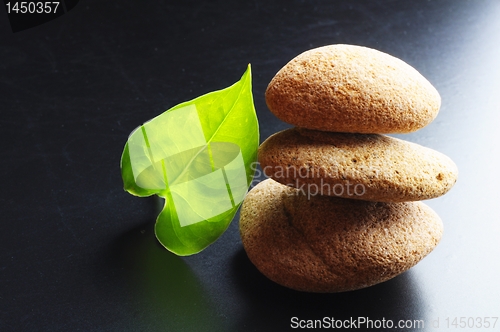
79	253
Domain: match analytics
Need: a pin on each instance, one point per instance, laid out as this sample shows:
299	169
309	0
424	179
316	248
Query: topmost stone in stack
352	89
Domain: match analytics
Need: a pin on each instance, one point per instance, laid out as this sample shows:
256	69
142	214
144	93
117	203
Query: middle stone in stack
304	233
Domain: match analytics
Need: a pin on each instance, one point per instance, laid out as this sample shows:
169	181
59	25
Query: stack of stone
341	210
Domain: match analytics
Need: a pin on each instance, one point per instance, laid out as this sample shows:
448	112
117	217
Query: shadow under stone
271	307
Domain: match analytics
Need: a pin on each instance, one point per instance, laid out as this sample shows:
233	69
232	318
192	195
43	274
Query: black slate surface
77	253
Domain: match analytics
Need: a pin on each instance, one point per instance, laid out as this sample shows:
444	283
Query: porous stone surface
371	167
330	244
348	88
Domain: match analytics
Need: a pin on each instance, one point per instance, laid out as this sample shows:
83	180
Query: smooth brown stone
347	88
329	244
358	166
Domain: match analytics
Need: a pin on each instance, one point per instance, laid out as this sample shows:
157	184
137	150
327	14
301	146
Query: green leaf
198	156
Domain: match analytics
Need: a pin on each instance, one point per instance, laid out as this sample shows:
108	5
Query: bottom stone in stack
330	244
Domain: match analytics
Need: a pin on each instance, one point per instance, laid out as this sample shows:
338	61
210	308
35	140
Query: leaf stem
228	186
146	140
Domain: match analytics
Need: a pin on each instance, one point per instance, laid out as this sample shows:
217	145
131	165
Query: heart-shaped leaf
198	156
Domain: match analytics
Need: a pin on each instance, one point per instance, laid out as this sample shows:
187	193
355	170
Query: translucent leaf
198	156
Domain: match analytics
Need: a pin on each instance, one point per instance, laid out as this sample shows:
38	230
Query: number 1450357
25	7
471	322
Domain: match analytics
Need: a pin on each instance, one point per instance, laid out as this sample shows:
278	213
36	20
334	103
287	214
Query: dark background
77	253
